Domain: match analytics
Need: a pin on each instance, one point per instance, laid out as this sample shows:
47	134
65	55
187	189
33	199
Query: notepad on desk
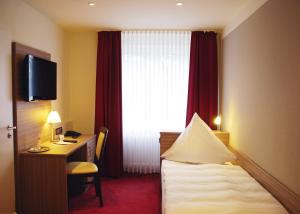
62	143
65	142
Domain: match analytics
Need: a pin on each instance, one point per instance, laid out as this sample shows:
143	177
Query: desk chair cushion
78	168
99	144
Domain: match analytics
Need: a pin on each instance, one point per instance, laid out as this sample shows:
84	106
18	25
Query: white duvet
213	188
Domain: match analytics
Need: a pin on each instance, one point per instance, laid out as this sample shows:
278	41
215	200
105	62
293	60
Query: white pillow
198	144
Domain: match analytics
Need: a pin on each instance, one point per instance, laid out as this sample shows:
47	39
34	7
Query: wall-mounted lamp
53	118
218	121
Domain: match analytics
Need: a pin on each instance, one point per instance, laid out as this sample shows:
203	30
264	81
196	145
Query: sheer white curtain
155	68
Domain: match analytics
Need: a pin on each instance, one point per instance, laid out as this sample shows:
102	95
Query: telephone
72	134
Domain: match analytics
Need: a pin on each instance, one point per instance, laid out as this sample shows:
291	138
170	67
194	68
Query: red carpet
130	194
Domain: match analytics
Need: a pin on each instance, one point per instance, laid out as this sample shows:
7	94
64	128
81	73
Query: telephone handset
72	134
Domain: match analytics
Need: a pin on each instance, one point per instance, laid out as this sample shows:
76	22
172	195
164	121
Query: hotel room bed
213	188
195	179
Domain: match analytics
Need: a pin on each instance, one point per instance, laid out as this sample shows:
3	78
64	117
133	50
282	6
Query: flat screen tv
40	79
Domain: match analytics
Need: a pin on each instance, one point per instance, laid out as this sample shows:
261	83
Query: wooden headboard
168	138
287	197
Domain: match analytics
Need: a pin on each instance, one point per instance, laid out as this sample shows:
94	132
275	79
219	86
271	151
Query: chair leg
97	188
97	182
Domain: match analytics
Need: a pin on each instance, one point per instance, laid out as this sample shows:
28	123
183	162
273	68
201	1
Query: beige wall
261	86
81	58
21	23
28	26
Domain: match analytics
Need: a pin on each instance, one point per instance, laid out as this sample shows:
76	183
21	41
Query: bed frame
289	199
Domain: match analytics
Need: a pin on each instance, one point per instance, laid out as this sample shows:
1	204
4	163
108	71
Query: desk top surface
63	150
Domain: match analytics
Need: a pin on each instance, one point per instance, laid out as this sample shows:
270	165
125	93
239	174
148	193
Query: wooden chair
87	169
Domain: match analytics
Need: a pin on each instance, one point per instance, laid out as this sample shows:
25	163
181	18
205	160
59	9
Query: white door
7	199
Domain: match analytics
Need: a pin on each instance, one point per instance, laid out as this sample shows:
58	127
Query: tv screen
40	79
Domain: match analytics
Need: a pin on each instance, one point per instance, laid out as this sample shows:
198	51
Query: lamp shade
218	120
53	117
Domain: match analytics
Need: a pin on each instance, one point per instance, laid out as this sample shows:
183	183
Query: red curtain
108	104
203	77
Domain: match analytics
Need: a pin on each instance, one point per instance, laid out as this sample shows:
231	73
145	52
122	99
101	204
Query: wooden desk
44	179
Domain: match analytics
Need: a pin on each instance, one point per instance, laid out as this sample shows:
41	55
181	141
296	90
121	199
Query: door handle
9	127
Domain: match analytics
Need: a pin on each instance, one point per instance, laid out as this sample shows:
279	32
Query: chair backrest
100	147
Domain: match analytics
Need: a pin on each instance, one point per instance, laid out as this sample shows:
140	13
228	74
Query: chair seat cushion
81	168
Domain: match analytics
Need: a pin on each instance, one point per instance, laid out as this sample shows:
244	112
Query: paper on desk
63	143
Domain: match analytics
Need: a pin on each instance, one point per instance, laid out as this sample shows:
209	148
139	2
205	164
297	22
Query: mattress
213	188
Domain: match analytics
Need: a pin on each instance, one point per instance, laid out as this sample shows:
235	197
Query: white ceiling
146	14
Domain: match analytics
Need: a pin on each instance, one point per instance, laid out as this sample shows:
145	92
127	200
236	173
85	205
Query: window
155	67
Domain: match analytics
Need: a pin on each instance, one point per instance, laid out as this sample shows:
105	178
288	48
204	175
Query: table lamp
218	121
53	118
